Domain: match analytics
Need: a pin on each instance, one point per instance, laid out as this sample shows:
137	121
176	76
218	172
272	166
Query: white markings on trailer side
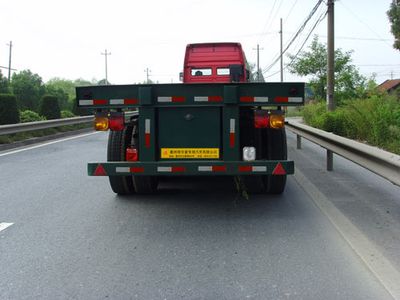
122	170
85	102
260	99
201	98
147	126
295	99
117	101
164	99
5	225
232	126
259	169
164	169
205	168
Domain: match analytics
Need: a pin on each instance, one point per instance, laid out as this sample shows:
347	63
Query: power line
319	20
315	8
365	23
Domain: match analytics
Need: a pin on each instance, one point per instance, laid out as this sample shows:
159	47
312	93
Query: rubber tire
117	143
277	150
142	184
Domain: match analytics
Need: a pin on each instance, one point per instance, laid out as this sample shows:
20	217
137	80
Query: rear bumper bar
180	168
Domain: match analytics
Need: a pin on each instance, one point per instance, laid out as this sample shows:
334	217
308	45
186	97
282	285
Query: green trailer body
193	129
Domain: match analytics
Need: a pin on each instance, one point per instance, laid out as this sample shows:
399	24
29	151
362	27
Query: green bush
49	107
9	113
66	114
375	120
30	116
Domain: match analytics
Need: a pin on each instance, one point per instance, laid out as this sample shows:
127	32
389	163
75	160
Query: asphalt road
72	238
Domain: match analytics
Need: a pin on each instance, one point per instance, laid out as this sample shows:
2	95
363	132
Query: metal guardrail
381	162
32	126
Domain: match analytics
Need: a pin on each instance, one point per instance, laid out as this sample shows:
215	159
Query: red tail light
131	154
261	119
116	122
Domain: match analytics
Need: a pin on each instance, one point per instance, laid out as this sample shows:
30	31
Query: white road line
375	261
49	143
5	225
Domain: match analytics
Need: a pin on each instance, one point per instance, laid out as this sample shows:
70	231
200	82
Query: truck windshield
201	72
223	71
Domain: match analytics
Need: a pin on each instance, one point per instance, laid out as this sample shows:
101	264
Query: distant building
390	86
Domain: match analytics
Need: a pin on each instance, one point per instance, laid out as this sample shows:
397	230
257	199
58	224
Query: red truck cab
214	62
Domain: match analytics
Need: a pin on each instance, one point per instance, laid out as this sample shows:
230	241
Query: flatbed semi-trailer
230	128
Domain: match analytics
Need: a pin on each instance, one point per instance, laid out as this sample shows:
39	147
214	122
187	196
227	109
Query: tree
61	95
3	84
253	73
28	88
394	18
49	107
349	83
9	113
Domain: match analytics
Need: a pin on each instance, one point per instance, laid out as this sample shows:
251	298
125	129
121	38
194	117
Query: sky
66	39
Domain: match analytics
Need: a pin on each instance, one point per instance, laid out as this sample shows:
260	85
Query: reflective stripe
164	99
208	98
116	101
296	99
259	169
212	168
232	126
122	170
164	169
201	98
205	169
147	126
85	102
252	168
171	99
260	99
171	169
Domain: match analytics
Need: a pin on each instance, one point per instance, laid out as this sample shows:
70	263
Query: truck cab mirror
235	71
247	75
181	76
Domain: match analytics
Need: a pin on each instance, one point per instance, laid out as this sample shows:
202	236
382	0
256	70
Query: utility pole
331	58
258	61
147	74
9	62
105	55
281	33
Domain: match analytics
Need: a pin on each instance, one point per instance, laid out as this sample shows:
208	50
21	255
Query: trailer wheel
117	143
142	184
277	150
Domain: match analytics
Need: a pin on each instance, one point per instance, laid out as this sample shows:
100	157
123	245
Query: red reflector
131	101
219	168
279	170
116	123
214	98
147	140
178	99
131	154
137	170
261	119
100	171
178	169
246	99
245	168
100	102
281	99
231	140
